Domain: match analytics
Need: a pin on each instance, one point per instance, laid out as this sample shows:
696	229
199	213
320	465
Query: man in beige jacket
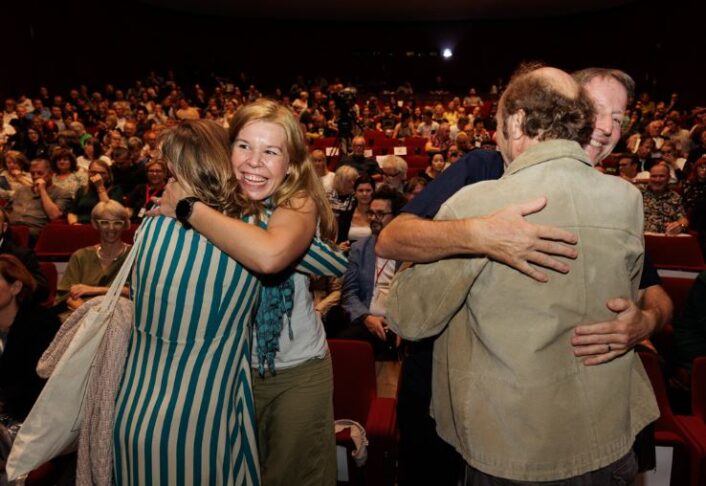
508	393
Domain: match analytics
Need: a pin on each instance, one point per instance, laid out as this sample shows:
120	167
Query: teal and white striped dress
184	413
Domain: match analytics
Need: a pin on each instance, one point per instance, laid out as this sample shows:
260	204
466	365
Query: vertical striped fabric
185	413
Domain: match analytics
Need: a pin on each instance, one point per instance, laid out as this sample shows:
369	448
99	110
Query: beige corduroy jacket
508	392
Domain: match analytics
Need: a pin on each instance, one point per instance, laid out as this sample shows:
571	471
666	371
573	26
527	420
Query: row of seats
675	252
58	241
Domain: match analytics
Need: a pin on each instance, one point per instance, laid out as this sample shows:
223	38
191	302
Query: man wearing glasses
367	280
394	171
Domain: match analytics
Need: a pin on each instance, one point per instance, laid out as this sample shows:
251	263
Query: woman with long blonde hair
293	385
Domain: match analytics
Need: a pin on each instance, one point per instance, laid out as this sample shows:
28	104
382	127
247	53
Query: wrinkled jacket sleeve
425	297
350	293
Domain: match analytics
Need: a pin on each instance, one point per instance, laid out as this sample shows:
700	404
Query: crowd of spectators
100	145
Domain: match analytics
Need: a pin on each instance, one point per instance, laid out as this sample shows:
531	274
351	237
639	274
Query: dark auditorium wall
62	44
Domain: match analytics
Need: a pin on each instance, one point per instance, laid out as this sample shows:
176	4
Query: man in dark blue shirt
505	236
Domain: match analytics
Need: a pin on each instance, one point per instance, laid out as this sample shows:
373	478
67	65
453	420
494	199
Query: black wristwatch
184	208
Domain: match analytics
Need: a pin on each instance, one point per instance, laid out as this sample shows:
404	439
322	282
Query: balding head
542	104
560	81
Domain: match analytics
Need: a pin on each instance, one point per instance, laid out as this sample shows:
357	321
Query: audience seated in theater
26	329
438	114
34	146
627	165
66	173
472	100
644	155
127	174
387	121
652	131
428	126
342	198
664	212
367	120
25	255
185	111
452	112
354	225
91	270
674	132
92	150
15	170
394	171
36	206
436	166
318	158
671	156
453	154
358	160
414	186
405	127
440	141
367	281
462	125
100	188
141	199
6	131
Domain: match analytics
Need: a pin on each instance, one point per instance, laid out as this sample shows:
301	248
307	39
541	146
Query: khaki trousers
296	440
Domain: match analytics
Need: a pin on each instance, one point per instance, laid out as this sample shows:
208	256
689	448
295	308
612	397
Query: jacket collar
547	151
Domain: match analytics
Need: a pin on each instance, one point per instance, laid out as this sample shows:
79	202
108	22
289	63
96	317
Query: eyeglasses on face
107	223
377	214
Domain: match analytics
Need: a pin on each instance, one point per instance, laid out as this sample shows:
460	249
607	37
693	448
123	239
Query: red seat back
416	163
59	241
678	290
698	388
354	381
50	273
666	419
675	252
20	235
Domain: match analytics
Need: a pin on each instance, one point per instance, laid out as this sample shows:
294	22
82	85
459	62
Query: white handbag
53	425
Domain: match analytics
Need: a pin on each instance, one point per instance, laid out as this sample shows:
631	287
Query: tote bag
53	425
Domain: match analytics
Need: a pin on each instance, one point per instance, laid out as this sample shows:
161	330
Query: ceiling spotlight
447	54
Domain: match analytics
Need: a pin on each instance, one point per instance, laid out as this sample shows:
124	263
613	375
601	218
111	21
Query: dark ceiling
387	10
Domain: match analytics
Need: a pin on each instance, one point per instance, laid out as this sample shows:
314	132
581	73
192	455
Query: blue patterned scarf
274	309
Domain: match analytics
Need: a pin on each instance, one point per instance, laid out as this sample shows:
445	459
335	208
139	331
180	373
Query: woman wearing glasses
100	188
92	269
142	198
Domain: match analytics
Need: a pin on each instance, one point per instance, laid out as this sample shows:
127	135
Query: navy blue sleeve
475	166
649	276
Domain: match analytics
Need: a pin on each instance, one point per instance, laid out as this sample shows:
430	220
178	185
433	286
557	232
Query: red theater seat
20	235
675	252
355	397
416	163
698	388
57	241
415	145
49	271
686	434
